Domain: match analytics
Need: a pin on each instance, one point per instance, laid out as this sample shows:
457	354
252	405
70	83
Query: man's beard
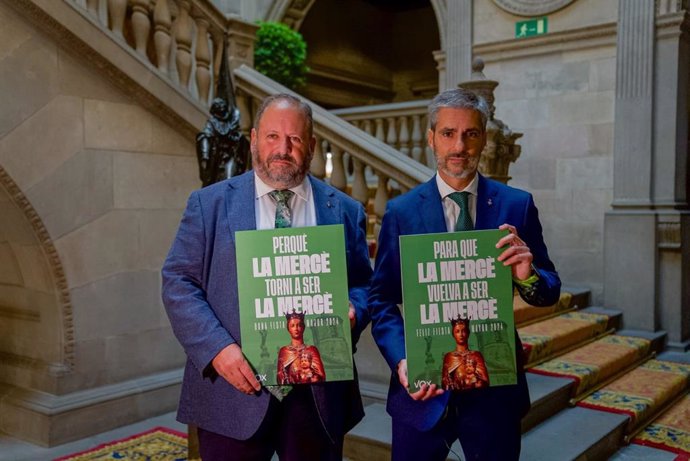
467	172
281	176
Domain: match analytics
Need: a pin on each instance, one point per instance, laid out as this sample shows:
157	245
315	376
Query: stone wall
559	90
107	180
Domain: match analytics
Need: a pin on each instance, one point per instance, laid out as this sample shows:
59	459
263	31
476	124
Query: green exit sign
531	27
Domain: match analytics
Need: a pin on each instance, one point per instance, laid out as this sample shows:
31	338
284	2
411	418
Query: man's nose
286	144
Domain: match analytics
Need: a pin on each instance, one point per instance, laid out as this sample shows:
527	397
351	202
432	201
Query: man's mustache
281	157
457	155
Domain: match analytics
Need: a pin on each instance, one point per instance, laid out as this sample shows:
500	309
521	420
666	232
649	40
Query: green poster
294	304
458	310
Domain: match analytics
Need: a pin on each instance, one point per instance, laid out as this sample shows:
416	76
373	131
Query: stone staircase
577	358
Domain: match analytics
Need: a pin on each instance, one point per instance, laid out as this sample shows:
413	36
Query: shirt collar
445	189
301	190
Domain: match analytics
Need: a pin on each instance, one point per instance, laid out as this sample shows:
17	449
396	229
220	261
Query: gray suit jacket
200	297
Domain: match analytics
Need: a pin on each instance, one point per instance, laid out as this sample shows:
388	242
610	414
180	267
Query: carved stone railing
400	125
180	39
360	162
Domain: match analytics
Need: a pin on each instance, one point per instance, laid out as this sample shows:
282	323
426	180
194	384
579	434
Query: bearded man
237	418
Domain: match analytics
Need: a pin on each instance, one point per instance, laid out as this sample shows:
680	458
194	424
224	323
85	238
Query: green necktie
283	220
464	221
283	213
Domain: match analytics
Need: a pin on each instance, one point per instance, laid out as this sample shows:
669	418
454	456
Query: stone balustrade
400	125
353	161
180	39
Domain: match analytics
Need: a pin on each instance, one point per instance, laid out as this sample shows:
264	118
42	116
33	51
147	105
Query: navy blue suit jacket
421	211
200	297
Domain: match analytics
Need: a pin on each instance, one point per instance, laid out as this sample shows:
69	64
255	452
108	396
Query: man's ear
252	139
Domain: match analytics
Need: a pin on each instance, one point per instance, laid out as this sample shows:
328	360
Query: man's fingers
426	392
248	375
402	373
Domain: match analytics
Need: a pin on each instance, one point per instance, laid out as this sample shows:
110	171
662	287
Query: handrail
374	153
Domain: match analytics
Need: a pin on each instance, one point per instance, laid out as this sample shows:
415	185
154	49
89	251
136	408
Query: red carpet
160	444
641	392
671	431
595	362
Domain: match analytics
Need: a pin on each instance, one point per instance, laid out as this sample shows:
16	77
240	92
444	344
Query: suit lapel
326	204
487	205
240	203
430	208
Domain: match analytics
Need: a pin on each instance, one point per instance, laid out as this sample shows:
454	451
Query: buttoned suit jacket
200	296
420	211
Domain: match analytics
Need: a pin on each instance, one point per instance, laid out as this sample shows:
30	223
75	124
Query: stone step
597	363
657	338
641	453
580	296
615	315
526	314
549	395
642	394
555	336
575	434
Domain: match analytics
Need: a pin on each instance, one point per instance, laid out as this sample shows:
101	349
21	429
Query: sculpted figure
222	151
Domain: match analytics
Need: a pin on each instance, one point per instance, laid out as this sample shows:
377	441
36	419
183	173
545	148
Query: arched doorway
36	340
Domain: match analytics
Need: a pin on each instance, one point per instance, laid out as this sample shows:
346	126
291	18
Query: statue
222	151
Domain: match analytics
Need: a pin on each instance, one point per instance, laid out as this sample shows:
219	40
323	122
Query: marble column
458	43
646	232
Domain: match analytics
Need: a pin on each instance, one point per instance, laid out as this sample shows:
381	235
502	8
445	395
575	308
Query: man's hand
425	393
518	255
353	316
234	368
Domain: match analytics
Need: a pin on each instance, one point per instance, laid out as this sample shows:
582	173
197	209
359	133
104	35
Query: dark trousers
292	429
486	431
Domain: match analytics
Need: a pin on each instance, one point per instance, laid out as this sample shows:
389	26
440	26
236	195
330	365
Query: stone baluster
404	137
161	36
430	157
338	177
244	105
368	127
380	201
141	25
116	16
92	7
391	134
183	37
318	163
360	190
417	139
379	130
203	60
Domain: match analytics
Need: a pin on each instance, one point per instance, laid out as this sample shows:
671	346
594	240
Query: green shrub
280	53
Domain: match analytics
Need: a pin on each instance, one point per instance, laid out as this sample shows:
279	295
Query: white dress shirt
451	210
301	205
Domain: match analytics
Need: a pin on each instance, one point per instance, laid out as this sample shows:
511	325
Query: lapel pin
489	202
